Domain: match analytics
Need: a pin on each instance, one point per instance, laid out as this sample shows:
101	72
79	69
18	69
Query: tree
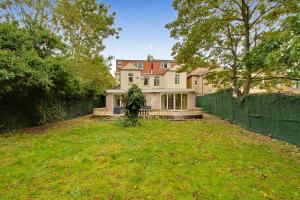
32	77
30	13
84	24
93	73
277	58
134	100
216	33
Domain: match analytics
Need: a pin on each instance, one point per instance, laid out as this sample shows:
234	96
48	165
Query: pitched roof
198	72
149	67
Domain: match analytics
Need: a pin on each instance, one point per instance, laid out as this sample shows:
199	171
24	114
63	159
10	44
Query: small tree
134	100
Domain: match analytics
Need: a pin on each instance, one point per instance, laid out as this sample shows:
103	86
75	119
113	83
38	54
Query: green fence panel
99	101
289	118
254	113
75	108
275	115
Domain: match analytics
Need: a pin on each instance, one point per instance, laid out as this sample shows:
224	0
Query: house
196	81
164	87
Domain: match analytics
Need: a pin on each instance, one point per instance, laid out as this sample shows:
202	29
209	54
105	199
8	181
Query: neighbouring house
196	80
163	86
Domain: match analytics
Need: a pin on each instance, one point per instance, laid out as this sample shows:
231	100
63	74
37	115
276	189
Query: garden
86	158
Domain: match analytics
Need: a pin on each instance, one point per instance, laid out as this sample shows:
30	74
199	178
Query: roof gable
130	66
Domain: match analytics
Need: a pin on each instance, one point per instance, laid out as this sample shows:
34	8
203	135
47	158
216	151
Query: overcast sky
143	29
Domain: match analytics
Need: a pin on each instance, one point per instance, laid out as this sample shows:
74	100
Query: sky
143	29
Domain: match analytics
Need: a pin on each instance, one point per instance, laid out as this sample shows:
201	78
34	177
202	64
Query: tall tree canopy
85	24
82	24
214	33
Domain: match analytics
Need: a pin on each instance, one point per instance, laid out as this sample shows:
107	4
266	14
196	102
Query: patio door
174	101
117	104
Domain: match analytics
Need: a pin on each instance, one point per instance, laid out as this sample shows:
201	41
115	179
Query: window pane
178	101
146	81
171	101
184	101
130	78
177	79
156	81
164	103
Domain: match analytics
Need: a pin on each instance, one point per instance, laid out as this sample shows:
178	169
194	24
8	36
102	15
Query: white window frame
174	101
130	75
139	65
165	65
158	79
196	82
147	77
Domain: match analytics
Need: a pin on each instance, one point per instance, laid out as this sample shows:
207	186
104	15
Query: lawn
92	159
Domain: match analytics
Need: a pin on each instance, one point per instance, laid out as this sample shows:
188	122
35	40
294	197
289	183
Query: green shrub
134	100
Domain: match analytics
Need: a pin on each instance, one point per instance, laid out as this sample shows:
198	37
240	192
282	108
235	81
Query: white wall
170	80
124	79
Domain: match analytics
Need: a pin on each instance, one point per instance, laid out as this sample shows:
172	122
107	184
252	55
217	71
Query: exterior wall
151	82
170	80
109	102
124	78
207	88
189	82
117	79
191	101
202	87
153	100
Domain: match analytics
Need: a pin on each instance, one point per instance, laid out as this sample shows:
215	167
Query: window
130	78
170	101
119	63
164	101
156	81
177	78
175	101
184	101
178	101
295	85
165	65
196	83
146	80
139	65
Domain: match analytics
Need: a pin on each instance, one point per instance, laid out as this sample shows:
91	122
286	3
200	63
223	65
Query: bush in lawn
134	100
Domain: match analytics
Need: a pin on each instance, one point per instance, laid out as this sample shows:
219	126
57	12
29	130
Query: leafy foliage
85	24
41	71
220	33
276	60
33	77
134	100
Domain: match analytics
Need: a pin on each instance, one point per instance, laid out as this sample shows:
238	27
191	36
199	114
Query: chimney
150	57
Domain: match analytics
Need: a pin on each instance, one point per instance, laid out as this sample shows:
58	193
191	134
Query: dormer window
119	64
130	78
139	65
165	65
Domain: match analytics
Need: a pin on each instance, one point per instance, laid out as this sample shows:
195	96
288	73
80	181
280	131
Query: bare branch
265	12
275	77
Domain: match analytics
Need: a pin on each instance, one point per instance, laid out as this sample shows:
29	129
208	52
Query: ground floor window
117	101
175	101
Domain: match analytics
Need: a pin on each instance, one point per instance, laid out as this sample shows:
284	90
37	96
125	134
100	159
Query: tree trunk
245	15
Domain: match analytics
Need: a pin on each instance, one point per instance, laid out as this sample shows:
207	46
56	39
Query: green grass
92	159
